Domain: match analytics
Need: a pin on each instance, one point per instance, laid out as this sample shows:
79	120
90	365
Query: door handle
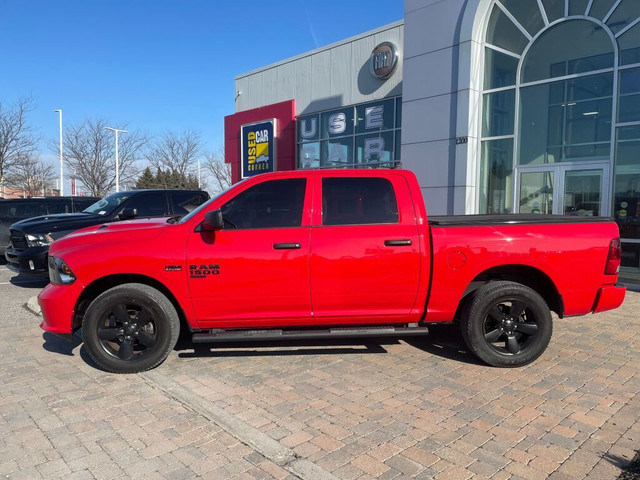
286	246
397	243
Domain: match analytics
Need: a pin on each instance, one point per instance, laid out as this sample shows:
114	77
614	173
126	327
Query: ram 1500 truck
321	254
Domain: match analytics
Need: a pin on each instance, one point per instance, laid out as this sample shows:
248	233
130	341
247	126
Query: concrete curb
33	307
259	441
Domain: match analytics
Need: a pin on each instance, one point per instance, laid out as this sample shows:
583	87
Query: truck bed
510	219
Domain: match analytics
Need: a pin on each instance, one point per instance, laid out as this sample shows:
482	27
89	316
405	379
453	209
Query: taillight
613	258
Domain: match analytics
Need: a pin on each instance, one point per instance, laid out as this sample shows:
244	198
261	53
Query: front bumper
609	297
31	261
58	304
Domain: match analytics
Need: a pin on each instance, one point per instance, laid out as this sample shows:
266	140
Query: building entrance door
563	189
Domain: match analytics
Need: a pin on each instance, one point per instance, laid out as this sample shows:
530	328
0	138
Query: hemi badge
173	268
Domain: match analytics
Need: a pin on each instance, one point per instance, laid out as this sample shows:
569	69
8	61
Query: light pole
117	130
61	176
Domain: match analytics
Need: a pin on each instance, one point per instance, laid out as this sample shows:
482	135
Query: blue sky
159	65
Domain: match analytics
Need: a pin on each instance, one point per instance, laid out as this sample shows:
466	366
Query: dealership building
498	106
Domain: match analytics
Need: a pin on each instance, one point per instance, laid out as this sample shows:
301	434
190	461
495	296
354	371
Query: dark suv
16	209
30	239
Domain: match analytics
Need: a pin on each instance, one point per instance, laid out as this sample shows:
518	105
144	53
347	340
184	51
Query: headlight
59	272
38	240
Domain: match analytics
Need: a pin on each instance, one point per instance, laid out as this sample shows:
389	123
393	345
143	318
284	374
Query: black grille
18	241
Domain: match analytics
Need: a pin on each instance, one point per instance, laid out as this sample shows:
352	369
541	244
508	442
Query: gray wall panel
303	92
330	77
340	72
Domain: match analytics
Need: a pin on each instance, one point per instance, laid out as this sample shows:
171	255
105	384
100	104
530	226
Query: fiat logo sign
383	60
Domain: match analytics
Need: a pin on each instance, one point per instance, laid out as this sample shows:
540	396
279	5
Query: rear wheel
130	328
506	324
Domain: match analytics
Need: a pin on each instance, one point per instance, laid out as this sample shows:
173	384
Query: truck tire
130	328
506	324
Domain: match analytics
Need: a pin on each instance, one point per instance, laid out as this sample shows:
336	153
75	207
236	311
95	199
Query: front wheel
130	328
506	324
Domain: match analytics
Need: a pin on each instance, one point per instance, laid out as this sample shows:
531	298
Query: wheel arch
97	287
526	275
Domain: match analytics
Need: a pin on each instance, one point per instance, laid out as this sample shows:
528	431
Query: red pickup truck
321	254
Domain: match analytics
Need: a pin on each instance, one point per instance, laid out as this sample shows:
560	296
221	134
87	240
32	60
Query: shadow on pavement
55	344
282	348
630	468
445	341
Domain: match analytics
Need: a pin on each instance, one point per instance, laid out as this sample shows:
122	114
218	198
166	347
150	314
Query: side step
215	336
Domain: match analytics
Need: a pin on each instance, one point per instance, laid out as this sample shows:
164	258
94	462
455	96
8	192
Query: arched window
561	107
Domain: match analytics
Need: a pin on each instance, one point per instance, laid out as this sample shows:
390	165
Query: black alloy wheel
506	324
130	328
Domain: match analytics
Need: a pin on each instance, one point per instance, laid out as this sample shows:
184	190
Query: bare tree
175	153
17	138
32	174
90	153
220	171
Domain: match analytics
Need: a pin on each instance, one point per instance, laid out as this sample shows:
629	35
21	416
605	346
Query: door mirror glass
212	221
128	213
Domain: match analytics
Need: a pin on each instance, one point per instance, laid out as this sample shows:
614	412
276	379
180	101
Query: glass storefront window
527	13
589	48
536	193
499	69
629	99
628	147
623	15
309	155
496	172
554	9
337	153
578	7
374	117
364	135
504	34
626	202
600	8
375	149
336	123
568	120
629	44
498	111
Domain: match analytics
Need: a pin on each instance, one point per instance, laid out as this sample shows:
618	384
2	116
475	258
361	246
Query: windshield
108	204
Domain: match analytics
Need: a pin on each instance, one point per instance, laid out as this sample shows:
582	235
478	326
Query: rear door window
358	201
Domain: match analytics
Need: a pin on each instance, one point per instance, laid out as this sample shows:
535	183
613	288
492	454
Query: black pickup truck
30	238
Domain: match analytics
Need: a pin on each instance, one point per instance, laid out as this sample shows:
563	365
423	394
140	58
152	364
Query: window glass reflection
600	8
498	111
629	44
499	69
554	9
578	7
574	46
496	172
502	33
629	100
527	13
626	12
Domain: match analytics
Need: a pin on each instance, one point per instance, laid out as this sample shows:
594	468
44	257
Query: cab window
358	201
271	204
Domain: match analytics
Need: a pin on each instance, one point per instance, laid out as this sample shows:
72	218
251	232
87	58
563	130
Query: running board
260	335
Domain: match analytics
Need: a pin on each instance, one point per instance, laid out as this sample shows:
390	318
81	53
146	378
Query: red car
327	253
